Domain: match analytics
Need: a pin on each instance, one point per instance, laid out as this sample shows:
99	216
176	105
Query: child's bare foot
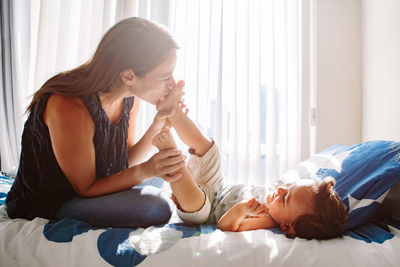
172	100
164	139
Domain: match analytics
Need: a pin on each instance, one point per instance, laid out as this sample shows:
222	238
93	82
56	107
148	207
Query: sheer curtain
40	38
67	33
15	16
245	64
241	61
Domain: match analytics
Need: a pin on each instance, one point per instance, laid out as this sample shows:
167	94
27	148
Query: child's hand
254	207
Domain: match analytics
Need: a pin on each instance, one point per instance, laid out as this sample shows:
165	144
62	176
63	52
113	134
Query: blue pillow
364	174
5	185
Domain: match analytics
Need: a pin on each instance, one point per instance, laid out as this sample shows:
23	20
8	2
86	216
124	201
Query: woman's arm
245	216
138	151
71	131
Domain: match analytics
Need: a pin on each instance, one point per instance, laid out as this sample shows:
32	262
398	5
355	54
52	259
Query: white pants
206	171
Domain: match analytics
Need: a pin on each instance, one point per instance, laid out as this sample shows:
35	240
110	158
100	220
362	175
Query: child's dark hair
329	217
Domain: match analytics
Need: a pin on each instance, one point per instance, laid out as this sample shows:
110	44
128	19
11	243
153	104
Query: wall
339	77
381	69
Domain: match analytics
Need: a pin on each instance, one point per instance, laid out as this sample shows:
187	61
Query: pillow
389	208
5	185
364	174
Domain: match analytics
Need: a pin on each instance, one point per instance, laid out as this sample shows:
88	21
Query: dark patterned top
40	186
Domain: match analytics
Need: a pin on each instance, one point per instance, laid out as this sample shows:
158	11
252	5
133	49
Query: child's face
290	201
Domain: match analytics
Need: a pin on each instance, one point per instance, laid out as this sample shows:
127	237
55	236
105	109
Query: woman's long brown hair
133	43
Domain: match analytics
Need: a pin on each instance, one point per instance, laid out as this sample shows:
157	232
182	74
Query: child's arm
138	151
237	218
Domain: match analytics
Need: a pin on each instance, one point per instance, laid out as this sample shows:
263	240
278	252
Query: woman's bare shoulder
60	101
135	107
69	109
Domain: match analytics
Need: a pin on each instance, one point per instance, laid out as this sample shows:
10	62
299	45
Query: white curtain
15	16
41	38
68	32
241	62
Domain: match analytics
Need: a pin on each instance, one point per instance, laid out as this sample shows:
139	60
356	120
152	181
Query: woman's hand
172	99
161	119
165	164
172	103
182	106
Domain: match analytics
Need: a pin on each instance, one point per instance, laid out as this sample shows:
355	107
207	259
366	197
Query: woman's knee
139	207
157	206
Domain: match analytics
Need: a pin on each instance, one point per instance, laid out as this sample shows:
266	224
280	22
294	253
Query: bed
367	242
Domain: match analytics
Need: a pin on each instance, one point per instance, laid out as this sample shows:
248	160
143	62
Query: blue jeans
141	206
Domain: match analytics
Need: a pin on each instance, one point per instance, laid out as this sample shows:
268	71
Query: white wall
339	78
381	69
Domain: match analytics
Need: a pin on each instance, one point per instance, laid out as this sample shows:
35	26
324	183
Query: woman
79	158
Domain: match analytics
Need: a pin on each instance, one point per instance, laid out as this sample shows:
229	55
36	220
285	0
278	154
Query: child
305	208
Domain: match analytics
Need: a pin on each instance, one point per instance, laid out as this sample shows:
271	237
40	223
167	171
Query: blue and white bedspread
74	243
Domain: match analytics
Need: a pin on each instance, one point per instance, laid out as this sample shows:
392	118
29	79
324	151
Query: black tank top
40	186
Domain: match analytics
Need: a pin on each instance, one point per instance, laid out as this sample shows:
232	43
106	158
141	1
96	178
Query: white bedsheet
73	243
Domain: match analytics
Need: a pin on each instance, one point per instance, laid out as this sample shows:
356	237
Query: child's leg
186	192
187	130
190	134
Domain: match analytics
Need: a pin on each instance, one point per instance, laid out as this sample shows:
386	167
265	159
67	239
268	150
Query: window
242	65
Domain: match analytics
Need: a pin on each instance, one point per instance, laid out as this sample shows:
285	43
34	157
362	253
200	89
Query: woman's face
158	82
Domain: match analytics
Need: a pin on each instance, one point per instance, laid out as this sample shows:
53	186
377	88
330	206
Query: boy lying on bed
305	208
